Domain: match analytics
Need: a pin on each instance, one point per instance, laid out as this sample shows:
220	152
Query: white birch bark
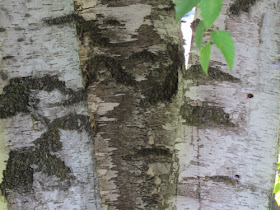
46	137
228	139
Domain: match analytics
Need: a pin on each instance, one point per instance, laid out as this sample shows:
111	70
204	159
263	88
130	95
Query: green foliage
205	57
210	11
199	34
223	40
276	190
183	7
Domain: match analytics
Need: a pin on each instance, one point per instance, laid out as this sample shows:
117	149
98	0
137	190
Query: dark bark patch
194	24
20	39
147	34
241	5
18	174
91	29
61	20
225	179
156	151
8	57
250	95
219	178
3	75
205	115
114	66
165	89
113	22
22	164
16	95
143	55
196	73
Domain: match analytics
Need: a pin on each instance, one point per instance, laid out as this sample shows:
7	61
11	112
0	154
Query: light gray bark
46	137
228	141
219	153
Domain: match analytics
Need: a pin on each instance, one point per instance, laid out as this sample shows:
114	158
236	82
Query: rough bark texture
230	121
132	59
45	126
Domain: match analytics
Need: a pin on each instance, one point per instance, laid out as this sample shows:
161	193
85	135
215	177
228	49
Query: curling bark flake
228	141
131	58
45	127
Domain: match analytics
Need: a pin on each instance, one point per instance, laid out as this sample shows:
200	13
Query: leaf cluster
276	190
210	11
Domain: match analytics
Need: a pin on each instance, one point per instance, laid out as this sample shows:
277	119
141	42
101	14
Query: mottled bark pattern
230	121
131	61
46	136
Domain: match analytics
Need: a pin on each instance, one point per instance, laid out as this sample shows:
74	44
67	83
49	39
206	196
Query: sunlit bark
230	121
46	136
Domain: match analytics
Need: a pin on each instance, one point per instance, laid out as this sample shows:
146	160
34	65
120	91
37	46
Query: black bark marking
219	178
22	164
61	20
112	65
167	88
241	5
196	73
16	95
154	151
205	115
250	95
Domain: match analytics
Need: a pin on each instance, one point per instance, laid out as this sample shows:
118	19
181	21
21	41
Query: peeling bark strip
45	126
230	120
132	59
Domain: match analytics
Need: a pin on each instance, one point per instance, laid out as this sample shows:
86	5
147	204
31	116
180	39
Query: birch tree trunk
132	60
228	141
46	136
218	153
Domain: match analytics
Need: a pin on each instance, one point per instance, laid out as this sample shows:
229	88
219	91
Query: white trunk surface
229	161
47	140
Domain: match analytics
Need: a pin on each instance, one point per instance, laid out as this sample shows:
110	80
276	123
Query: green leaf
205	57
183	7
199	34
276	191
276	188
277	198
223	40
210	10
278	166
